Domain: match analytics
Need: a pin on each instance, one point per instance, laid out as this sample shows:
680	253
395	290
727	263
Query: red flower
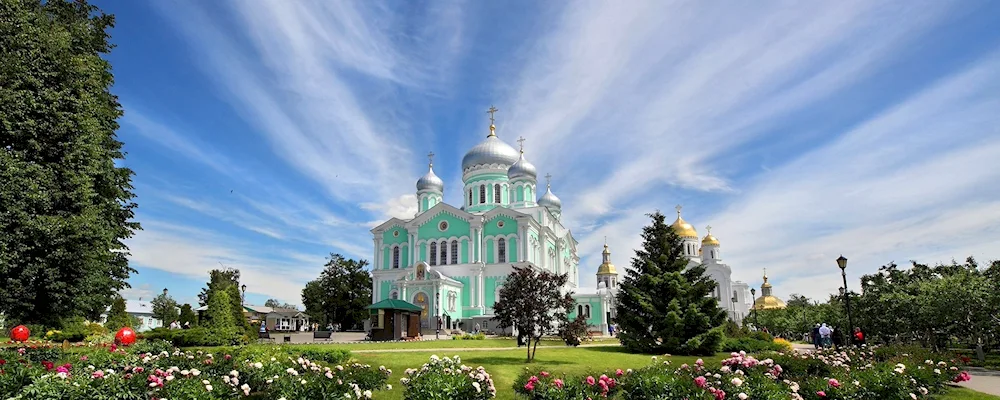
962	377
2	361
48	365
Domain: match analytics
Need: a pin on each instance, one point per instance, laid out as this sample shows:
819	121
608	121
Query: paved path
983	380
450	350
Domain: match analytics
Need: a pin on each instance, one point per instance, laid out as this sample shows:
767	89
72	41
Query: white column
523	241
482	291
482	248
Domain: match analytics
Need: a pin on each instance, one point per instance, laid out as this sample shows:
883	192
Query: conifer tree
663	306
117	317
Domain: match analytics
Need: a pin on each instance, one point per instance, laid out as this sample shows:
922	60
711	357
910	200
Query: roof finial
493	127
765	275
678	208
548	180
430	158
709	229
520	141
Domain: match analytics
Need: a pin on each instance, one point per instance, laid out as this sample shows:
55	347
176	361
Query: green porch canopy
394	304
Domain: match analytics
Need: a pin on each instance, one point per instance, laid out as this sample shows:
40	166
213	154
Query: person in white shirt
825	332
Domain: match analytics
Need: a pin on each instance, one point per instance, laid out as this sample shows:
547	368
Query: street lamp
164	291
842	263
753	308
243	297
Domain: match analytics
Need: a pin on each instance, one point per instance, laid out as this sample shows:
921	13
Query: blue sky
267	134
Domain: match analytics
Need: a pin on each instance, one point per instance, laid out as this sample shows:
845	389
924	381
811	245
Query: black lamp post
753	309
243	296
842	263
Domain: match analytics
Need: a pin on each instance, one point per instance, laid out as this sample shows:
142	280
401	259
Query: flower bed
447	379
847	375
108	372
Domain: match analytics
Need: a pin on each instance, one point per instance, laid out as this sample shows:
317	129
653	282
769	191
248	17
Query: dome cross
520	141
709	229
678	208
548	180
492	111
430	159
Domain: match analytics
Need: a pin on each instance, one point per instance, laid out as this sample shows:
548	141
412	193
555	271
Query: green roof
394	304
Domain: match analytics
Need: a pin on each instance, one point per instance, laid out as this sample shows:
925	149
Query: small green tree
118	317
664	307
219	313
533	303
165	308
187	315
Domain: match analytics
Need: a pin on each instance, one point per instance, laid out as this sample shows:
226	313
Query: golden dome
768	303
607	268
683	228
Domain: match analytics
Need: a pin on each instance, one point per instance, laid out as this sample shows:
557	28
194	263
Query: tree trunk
528	347
535	348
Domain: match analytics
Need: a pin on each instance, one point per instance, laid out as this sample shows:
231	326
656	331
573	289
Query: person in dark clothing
838	338
817	341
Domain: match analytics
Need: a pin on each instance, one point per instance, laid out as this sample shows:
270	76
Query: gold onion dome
709	240
607	268
683	228
768	303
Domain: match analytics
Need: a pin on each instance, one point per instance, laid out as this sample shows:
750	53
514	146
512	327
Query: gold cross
678	208
520	141
492	111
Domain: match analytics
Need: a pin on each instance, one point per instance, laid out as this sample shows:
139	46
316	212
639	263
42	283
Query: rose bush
446	379
844	375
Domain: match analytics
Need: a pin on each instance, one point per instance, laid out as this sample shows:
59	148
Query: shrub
151	347
750	345
785	344
446	379
331	356
473	336
538	384
573	331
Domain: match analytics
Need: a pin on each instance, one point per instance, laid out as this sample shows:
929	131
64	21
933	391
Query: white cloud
144	292
402	207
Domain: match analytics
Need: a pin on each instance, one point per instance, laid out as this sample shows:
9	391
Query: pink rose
619	372
558	382
834	383
700	381
591	381
544	374
821	393
529	386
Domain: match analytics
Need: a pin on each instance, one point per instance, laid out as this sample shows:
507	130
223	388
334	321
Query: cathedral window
496	193
454	252
444	253
586	311
501	250
395	295
482	194
434	253
470	196
579	310
395	257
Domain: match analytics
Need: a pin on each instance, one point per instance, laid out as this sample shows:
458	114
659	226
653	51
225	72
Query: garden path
983	381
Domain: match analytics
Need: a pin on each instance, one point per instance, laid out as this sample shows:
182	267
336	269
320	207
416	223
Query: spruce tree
664	307
188	316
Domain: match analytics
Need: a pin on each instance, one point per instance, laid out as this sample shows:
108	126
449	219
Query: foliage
932	304
471	336
784	344
663	306
340	294
224	284
66	206
155	370
273	303
541	385
117	317
533	303
573	331
217	279
750	345
165	308
446	379
187	315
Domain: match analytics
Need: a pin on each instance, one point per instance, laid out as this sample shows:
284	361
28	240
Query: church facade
452	261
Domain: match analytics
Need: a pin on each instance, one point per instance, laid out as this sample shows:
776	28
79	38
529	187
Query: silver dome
550	200
430	181
490	151
522	169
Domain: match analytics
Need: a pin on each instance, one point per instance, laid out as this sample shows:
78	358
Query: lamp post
243	296
753	308
842	263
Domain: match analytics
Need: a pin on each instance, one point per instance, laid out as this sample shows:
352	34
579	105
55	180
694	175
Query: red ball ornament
20	333
125	336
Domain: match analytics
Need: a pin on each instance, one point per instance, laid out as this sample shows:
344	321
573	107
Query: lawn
439	344
505	365
965	394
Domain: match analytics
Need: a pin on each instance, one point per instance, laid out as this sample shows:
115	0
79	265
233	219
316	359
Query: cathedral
452	261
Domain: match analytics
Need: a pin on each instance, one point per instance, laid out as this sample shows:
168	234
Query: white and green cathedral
452	261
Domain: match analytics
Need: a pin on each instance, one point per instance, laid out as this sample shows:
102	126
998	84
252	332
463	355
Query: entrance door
421	300
448	324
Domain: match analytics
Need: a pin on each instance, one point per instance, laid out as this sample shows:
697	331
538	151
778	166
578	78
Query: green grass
437	344
505	365
960	394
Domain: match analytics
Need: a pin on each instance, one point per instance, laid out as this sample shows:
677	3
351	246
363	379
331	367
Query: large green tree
117	316
664	307
225	281
340	294
65	206
187	315
165	308
534	303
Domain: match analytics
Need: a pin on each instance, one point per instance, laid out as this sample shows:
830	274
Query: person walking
824	334
816	338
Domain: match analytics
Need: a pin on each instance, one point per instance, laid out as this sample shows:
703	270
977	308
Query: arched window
502	250
496	193
470	196
482	194
579	310
395	257
586	310
444	253
434	253
395	295
454	252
